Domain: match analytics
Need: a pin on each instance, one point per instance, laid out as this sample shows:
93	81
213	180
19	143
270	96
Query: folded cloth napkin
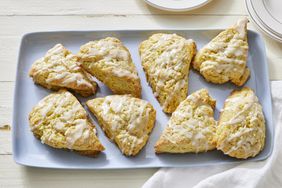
266	173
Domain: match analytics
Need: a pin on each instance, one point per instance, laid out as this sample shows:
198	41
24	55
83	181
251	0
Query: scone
166	60
110	61
224	59
61	122
191	127
126	120
241	127
59	69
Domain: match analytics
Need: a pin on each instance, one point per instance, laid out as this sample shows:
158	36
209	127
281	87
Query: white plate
266	14
269	12
27	150
177	5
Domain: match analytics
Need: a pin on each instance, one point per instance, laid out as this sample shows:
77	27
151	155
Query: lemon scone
224	59
191	127
59	69
166	60
241	127
61	122
110	61
126	120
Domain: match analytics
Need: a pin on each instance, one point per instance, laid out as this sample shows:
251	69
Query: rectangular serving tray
29	151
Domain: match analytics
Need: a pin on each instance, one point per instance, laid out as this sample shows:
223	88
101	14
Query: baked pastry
191	127
110	61
166	60
126	120
58	69
241	127
60	121
225	57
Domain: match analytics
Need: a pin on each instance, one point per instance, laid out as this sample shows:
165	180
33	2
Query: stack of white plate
267	15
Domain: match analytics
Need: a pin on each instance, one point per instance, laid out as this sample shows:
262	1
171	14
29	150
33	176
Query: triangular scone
166	60
59	69
241	127
60	121
191	127
126	120
110	61
225	57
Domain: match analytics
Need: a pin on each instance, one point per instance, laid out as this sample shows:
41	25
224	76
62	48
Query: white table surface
18	17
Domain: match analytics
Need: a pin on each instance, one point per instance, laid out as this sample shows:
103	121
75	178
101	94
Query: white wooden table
22	16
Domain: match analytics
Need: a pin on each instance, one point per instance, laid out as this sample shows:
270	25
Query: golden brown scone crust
110	61
60	121
225	57
126	120
166	60
241	127
191	127
59	69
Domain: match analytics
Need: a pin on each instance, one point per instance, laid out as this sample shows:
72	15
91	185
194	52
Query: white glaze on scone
110	62
192	126
59	69
126	120
225	57
60	121
166	60
241	130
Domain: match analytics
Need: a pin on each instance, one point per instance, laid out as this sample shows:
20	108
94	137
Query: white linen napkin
262	174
